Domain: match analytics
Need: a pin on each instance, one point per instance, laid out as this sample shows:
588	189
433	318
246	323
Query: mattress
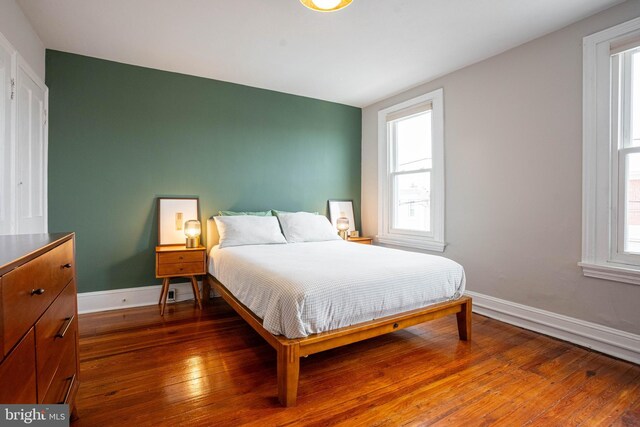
298	289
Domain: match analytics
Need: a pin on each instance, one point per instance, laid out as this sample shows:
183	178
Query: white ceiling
357	56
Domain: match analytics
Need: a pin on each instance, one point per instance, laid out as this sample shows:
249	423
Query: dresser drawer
178	257
64	382
18	374
181	268
55	334
28	290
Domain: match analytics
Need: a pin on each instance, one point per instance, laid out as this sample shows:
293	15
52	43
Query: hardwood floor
210	368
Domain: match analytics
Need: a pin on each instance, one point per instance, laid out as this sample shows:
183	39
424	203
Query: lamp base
342	234
193	242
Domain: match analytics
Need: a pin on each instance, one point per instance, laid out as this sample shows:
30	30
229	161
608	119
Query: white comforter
305	288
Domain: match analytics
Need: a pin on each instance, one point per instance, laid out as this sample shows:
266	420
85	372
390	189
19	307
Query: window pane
635	99
413	142
413	201
632	204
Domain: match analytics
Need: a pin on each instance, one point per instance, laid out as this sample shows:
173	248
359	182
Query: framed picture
173	212
342	208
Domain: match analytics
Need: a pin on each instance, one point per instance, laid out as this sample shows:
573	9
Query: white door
7	86
31	152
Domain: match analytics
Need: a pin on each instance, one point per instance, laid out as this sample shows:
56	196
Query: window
625	123
611	158
411	178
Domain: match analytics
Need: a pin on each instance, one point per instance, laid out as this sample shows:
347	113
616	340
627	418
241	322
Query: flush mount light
326	5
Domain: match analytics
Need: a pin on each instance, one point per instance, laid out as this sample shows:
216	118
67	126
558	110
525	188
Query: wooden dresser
38	319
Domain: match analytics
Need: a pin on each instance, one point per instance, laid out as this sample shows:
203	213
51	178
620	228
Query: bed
304	298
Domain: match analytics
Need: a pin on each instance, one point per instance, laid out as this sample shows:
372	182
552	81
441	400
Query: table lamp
192	230
342	224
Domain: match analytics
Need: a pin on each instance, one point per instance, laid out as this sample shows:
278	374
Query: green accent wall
121	135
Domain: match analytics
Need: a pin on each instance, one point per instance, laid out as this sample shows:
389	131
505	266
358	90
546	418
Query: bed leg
207	285
288	372
464	321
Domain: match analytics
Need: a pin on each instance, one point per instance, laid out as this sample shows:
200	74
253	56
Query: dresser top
18	249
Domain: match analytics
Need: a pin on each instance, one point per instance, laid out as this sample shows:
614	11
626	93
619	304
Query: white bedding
299	289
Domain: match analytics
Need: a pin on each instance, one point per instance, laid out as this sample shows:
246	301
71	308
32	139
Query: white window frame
601	235
434	239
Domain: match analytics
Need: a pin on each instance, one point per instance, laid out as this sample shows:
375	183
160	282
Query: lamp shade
192	228
342	223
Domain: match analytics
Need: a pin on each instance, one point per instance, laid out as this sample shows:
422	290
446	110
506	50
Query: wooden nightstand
361	240
179	261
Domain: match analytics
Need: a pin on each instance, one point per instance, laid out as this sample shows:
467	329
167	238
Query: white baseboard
614	342
91	302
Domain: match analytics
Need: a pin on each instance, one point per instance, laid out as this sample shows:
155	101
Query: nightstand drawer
361	240
180	257
181	268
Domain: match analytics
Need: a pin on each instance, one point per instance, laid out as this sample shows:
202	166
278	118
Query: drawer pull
65	327
38	291
71	380
67	265
395	326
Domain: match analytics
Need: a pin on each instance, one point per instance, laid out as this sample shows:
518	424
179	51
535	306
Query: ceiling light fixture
326	5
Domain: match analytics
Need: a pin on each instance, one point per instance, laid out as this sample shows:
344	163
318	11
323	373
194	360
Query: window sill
612	272
412	242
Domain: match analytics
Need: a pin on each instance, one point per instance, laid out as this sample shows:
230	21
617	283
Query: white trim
22	64
613	32
614	342
435	240
415	243
24	71
611	272
91	302
11	142
45	160
599	214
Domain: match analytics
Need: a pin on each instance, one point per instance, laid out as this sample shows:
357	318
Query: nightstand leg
196	291
165	294
165	288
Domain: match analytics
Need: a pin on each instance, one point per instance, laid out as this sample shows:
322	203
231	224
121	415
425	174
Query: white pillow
248	230
306	227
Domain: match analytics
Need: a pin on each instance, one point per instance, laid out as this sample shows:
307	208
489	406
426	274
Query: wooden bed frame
290	350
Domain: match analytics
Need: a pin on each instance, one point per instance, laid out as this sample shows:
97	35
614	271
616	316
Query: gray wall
513	147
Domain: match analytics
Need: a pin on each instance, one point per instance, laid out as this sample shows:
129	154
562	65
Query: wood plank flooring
208	368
